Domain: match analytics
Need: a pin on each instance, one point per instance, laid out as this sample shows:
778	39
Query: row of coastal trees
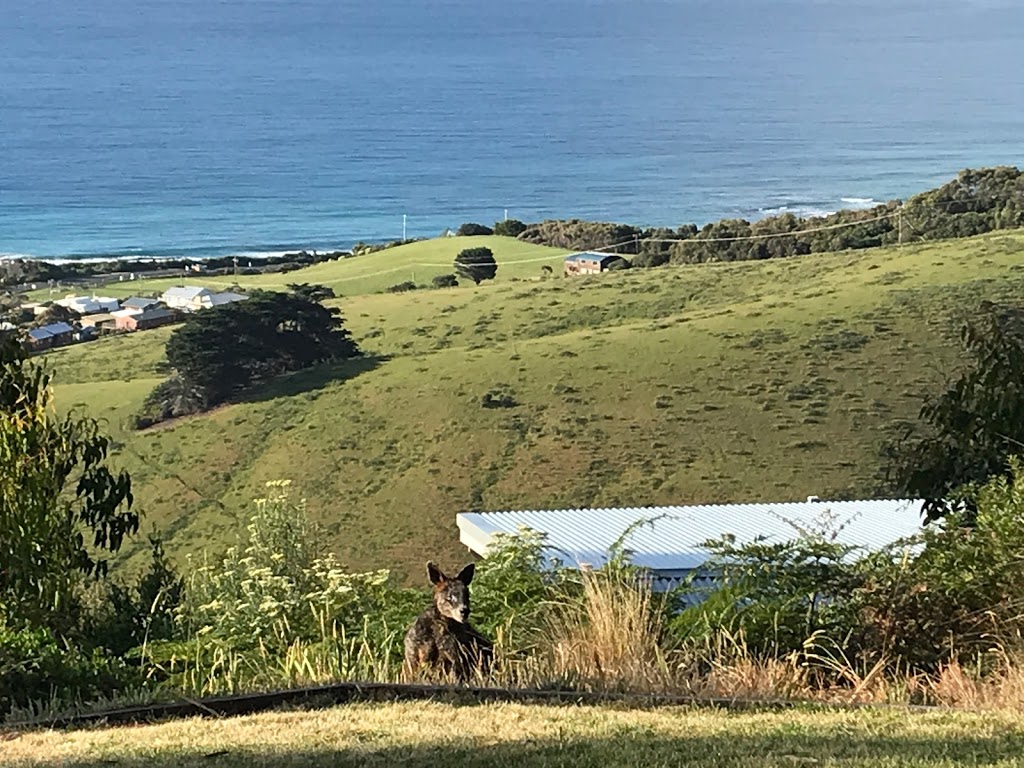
976	202
277	609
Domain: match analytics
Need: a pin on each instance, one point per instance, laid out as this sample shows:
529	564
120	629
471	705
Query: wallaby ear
466	574
435	574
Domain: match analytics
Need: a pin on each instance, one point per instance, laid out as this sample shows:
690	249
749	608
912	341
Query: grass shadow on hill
630	746
313	379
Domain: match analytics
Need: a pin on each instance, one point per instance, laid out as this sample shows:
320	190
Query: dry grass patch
423	734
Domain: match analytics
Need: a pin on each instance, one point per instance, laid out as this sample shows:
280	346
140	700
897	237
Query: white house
86	305
192	298
188	298
669	541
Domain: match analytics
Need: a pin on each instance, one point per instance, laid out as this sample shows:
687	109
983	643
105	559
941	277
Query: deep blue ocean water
221	126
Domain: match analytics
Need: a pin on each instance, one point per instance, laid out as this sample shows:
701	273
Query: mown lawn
429	734
766	381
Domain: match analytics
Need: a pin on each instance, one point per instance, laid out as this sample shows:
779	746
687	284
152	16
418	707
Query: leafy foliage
276	585
56	488
224	350
312	292
445	281
509	228
476	264
404	287
966	432
470	229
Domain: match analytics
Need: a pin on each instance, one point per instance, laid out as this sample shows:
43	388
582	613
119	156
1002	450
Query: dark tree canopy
61	506
445	281
509	228
469	229
314	292
226	349
967	433
476	264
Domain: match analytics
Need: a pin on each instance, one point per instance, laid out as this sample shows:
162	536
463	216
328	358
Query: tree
56	489
223	350
56	313
476	264
313	292
445	281
509	228
469	229
967	433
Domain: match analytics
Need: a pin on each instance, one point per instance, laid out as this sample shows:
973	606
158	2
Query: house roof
227	297
139	302
186	293
46	331
673	539
155	313
591	256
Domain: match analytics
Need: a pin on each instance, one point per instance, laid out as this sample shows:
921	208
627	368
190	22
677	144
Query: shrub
408	285
509	228
445	281
278	584
471	229
37	669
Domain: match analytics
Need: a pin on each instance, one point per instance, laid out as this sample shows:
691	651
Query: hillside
764	380
372	272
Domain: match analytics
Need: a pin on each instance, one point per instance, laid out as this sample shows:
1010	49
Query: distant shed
588	263
671	545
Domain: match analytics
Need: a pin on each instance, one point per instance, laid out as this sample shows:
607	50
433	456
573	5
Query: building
669	541
220	299
50	336
588	263
153	317
193	298
99	320
138	303
188	298
85	305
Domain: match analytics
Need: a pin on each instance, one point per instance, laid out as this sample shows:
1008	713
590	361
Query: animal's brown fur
441	638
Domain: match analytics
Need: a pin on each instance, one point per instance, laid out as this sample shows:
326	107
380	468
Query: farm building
588	263
670	545
153	317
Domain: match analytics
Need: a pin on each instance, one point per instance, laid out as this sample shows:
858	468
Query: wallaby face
451	596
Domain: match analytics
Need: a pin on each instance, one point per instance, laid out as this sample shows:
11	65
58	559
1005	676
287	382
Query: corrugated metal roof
187	292
672	542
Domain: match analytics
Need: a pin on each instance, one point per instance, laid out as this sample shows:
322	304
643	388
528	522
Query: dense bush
470	229
509	228
445	281
37	669
408	285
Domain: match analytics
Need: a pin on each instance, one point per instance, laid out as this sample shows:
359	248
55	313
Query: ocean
213	127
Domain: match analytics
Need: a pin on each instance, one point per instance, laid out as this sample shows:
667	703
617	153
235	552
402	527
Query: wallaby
441	637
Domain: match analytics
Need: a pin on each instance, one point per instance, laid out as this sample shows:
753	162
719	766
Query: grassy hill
429	734
373	272
726	382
